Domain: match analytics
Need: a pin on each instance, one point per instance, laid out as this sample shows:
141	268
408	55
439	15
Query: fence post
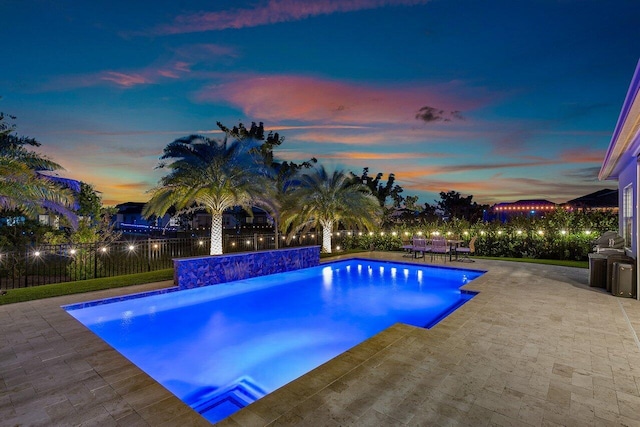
149	254
26	268
95	259
255	242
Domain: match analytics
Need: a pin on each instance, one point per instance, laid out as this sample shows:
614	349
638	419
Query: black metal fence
45	264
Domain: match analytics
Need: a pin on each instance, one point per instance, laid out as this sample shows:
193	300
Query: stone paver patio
536	347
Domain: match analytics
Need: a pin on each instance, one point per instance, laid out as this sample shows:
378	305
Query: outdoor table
453	244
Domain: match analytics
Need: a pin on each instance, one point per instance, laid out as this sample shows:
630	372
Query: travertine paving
536	347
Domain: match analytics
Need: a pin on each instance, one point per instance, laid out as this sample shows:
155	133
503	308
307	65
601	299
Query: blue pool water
218	348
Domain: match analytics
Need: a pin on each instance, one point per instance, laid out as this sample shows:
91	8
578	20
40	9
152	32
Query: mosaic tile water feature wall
210	270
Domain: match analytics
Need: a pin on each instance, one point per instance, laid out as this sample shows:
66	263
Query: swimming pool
219	348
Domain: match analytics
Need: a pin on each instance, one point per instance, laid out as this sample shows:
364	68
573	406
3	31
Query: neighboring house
129	218
602	200
621	163
529	208
53	220
237	219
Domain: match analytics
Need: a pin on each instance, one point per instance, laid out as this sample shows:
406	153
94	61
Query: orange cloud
273	12
582	155
350	155
497	189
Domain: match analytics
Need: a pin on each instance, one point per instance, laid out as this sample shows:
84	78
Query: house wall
629	176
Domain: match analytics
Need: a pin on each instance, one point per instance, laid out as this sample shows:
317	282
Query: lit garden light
36	254
519	232
371	233
338	233
482	233
449	233
563	232
360	233
419	233
72	251
465	233
540	233
155	246
394	234
382	233
131	248
200	243
499	232
337	248
103	249
587	232
248	242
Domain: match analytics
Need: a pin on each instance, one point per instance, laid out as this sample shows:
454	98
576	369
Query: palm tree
23	186
212	175
25	190
327	200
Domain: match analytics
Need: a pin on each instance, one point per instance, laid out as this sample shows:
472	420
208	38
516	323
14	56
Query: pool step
221	403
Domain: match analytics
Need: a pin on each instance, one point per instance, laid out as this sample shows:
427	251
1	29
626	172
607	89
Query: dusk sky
503	100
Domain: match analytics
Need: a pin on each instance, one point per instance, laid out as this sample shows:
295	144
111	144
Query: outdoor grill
611	268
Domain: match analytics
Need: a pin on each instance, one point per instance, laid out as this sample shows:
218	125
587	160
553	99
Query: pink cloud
282	97
125	80
273	12
179	66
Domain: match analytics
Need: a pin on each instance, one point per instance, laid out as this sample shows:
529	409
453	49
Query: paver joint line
633	331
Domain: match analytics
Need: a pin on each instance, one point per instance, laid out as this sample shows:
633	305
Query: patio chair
407	247
420	246
439	246
467	250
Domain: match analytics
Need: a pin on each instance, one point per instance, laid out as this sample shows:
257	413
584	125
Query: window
627	214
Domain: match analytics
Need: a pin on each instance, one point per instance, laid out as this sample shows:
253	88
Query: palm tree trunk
275	232
327	228
216	234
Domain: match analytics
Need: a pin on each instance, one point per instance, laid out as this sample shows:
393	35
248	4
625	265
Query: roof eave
624	140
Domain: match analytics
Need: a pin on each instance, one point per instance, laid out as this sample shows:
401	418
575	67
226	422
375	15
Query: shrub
561	235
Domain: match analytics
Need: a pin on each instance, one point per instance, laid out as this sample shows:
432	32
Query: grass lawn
81	286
